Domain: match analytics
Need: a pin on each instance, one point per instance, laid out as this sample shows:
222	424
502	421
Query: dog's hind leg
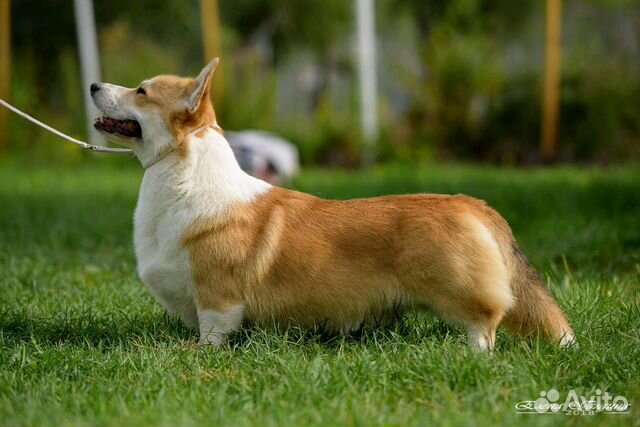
482	336
471	287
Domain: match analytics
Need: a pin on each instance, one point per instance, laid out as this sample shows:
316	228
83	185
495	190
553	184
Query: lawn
82	342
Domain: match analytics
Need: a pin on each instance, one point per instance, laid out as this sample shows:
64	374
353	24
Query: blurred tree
5	69
41	30
45	28
465	15
290	23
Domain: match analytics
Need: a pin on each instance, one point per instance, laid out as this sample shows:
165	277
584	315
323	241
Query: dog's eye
141	91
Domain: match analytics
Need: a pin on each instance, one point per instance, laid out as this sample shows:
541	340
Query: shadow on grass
412	328
107	332
87	328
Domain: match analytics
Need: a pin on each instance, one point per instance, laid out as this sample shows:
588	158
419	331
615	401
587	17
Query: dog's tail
535	310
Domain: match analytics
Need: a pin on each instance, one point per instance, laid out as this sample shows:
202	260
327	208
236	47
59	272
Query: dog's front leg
216	323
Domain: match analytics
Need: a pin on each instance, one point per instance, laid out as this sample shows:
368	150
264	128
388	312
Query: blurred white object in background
264	155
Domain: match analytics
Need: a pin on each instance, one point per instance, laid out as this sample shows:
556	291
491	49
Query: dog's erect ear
203	85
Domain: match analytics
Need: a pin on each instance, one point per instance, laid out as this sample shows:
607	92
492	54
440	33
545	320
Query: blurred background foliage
459	79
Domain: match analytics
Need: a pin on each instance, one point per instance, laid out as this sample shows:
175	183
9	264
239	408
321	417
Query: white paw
215	339
478	340
568	339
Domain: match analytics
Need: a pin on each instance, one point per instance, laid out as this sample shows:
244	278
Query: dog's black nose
94	88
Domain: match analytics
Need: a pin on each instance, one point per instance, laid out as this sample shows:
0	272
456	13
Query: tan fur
537	311
295	258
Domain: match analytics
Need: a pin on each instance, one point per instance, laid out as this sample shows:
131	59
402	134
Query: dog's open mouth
127	128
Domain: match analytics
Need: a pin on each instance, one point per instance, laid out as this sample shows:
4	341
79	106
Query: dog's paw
215	339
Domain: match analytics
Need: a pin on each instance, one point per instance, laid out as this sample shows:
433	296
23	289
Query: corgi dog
221	248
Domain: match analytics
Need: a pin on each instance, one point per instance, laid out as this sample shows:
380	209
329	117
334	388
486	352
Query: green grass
82	342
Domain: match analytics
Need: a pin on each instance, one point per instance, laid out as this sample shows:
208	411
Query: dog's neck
206	173
167	149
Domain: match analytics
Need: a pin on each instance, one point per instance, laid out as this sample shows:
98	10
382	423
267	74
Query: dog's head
156	115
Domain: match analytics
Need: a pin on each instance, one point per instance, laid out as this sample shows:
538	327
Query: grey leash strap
82	144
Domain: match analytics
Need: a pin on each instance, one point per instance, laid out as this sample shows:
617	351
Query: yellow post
5	69
210	17
551	93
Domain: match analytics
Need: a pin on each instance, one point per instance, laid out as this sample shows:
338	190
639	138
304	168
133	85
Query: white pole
89	61
367	74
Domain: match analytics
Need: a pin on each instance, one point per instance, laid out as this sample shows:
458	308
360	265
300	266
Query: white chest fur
174	193
159	223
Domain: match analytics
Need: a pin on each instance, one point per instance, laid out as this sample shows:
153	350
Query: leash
82	144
